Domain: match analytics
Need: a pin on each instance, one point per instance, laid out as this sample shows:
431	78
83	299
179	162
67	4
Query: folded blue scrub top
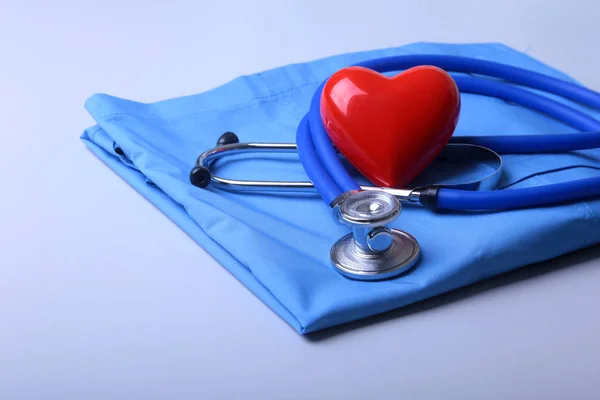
278	245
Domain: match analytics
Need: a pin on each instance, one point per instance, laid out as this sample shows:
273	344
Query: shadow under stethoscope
575	259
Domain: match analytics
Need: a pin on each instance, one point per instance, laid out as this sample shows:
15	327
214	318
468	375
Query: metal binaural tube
205	159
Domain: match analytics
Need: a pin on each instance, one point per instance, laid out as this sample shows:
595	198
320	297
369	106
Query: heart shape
390	128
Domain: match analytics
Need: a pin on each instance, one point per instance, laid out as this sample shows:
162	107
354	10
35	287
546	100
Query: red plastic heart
390	128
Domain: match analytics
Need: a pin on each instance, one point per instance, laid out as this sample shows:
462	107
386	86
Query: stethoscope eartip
200	176
227	138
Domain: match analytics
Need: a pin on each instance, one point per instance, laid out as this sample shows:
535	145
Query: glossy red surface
390	128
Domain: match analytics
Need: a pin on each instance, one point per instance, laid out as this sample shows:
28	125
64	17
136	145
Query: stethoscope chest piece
372	251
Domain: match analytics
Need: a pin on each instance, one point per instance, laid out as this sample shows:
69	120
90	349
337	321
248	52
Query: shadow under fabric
278	245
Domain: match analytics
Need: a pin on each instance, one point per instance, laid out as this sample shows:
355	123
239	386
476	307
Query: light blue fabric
278	245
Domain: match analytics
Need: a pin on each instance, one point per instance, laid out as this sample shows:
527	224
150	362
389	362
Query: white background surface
144	313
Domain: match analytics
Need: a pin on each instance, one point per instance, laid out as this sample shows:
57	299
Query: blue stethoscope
373	251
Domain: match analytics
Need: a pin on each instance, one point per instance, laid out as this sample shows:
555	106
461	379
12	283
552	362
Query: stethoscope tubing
331	179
